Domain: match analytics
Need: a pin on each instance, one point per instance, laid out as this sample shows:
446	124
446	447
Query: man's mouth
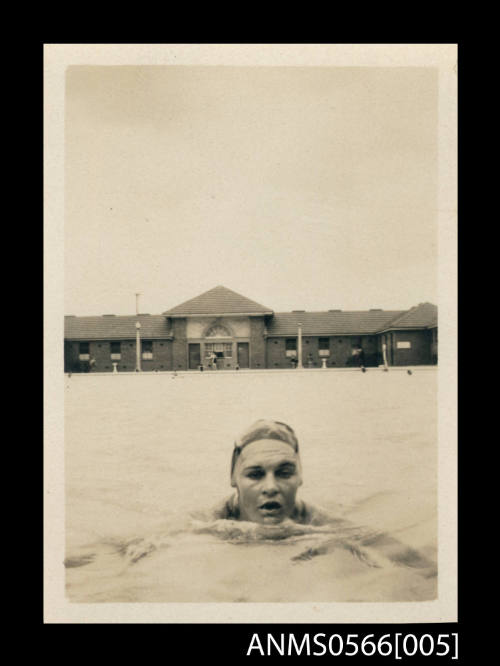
271	506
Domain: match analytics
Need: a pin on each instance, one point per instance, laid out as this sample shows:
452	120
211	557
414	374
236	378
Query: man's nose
270	487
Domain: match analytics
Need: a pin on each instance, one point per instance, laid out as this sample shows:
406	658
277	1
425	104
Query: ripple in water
228	560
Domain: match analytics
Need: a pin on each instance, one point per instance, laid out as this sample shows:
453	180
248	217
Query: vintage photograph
251	352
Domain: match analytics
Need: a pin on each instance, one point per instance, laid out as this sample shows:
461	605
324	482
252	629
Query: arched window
218	331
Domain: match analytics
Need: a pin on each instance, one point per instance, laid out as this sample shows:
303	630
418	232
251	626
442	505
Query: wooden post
299	347
138	347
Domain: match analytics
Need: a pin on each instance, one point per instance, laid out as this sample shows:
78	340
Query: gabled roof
113	327
216	301
424	315
224	301
364	322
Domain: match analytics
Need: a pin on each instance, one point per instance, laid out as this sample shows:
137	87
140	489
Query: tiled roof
218	300
224	301
111	327
357	322
424	315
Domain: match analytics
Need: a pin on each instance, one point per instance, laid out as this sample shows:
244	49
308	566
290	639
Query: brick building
232	331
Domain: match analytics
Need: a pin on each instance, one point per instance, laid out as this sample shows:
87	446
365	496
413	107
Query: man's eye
285	473
254	475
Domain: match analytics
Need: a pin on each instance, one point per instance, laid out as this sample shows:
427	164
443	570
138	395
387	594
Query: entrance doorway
194	356
243	354
221	353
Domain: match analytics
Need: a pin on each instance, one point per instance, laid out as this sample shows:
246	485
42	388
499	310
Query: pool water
143	451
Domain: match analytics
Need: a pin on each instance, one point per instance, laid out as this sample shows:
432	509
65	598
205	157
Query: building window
324	346
291	347
218	331
147	350
84	351
116	354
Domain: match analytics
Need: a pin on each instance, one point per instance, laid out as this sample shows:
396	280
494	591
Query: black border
232	640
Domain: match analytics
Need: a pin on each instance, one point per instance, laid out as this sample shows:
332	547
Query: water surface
143	451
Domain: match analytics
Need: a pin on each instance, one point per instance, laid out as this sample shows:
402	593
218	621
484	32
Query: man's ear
300	473
233	475
234	461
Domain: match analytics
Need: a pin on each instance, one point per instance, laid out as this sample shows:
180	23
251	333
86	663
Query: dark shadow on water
79	561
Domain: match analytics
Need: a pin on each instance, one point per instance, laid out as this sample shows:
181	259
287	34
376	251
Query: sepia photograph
251	271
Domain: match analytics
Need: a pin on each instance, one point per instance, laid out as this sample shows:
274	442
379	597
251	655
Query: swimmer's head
264	429
266	471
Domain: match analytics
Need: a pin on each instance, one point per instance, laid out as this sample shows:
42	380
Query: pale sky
299	187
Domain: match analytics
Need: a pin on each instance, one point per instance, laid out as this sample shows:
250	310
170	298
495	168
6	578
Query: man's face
267	475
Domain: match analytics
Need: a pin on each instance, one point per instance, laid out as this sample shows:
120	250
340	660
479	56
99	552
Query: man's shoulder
307	513
224	509
311	514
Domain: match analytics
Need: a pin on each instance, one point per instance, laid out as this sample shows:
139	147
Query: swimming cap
264	429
